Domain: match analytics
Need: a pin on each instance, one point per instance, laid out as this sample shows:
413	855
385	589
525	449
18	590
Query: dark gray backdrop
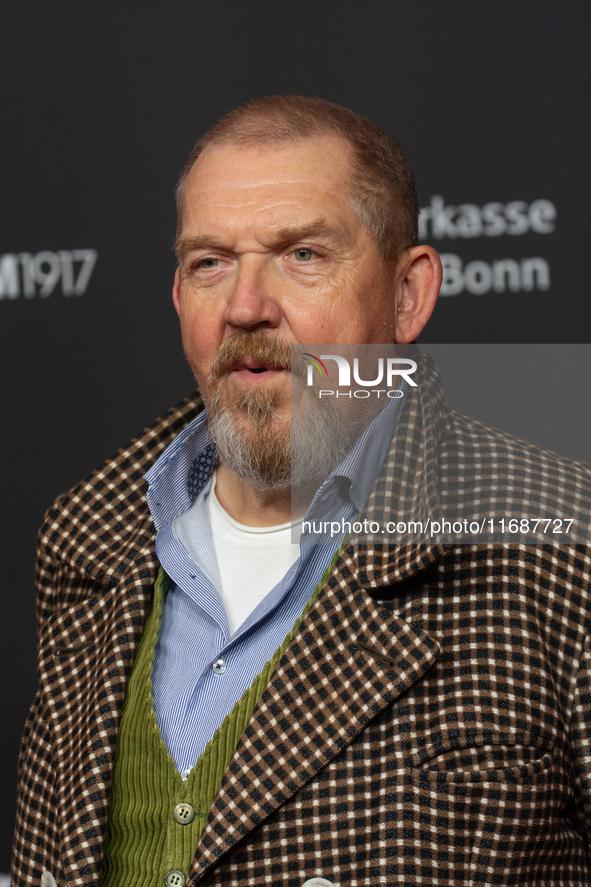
102	103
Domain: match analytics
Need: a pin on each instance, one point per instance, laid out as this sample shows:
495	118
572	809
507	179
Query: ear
176	292
419	279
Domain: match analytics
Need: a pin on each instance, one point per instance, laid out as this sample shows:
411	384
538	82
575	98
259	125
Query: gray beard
298	455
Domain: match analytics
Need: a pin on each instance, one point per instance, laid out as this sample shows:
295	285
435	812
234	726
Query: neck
256	507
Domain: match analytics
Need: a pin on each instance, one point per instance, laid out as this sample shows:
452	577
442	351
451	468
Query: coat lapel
350	659
97	573
86	654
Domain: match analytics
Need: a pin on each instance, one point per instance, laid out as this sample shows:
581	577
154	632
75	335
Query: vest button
174	878
184	814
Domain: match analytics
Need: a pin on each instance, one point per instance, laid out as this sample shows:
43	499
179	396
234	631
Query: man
220	704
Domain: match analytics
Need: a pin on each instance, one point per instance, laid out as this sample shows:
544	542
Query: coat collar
99	527
406	490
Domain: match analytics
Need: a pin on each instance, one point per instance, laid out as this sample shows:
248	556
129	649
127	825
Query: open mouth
249	365
248	369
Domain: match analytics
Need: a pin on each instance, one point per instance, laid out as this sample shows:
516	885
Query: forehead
271	185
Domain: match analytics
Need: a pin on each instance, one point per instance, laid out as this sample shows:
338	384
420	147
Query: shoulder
121	475
494	474
482	443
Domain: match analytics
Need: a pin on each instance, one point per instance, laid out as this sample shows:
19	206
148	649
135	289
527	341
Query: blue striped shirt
191	698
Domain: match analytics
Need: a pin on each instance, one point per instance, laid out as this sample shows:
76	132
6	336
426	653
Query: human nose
252	303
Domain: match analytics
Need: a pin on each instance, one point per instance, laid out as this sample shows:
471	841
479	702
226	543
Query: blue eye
209	263
303	255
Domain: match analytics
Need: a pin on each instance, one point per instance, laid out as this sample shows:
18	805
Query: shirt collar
181	472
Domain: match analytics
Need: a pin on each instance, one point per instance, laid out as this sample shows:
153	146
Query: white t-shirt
251	560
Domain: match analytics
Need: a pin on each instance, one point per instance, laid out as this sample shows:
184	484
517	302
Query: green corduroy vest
144	839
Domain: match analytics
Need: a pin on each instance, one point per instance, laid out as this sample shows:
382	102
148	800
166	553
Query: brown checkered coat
429	724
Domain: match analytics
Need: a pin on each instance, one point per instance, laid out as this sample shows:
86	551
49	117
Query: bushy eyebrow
318	228
288	234
184	245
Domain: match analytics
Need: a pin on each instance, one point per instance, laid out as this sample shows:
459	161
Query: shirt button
174	878
47	880
184	814
219	666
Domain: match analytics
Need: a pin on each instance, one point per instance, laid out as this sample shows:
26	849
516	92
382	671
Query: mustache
259	346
